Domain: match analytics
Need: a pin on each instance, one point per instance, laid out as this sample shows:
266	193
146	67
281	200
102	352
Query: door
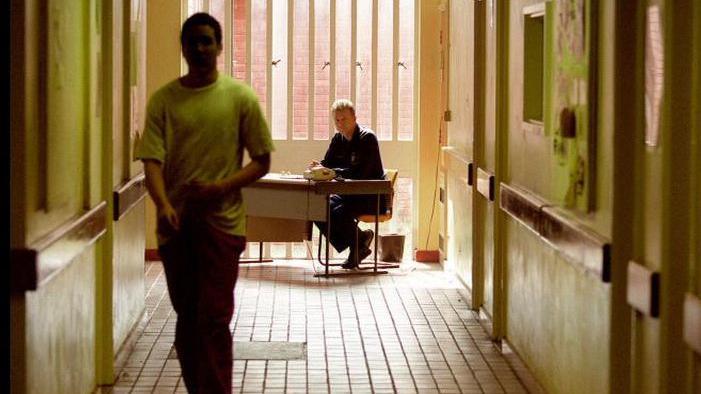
124	53
663	220
485	153
458	154
59	206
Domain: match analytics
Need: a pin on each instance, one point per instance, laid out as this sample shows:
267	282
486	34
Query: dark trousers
344	210
201	267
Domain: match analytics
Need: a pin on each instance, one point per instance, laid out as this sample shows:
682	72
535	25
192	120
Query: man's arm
330	161
255	169
251	172
155	185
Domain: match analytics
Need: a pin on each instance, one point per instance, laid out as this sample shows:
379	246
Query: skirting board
427	256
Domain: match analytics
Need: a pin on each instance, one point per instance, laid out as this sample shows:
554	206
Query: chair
390	175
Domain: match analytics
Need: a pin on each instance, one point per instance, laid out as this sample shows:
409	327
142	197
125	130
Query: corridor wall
558	300
77	75
53	181
582	180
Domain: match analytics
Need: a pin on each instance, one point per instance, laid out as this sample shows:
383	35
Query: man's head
201	41
343	113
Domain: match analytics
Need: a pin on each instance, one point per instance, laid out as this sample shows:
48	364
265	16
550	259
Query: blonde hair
342	104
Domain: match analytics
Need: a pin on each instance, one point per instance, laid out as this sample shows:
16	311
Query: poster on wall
571	118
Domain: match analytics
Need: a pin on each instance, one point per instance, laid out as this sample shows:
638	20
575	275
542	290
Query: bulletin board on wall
571	119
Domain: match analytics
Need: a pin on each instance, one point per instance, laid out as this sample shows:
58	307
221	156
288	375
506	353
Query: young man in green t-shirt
197	127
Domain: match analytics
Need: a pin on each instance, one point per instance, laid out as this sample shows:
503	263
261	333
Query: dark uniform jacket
358	158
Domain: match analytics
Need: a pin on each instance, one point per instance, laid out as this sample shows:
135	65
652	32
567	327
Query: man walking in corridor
192	149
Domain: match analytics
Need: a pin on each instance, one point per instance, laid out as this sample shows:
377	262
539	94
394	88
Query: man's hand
168	219
206	191
202	193
313	164
166	215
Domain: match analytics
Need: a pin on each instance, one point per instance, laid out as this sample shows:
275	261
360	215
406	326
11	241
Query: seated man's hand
313	164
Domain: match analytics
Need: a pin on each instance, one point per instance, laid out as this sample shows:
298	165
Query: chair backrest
391	176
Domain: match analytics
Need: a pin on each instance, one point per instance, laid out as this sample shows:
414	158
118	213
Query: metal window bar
373	46
252	250
229	37
332	53
249	49
268	59
290	68
395	71
311	34
354	48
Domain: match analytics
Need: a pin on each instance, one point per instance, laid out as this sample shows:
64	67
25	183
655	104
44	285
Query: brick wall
239	40
258	43
300	89
321	119
322	54
406	76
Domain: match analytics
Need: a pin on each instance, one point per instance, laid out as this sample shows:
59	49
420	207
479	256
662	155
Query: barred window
300	55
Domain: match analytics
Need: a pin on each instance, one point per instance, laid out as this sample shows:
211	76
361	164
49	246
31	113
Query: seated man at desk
353	154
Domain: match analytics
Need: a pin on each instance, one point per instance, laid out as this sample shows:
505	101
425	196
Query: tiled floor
408	331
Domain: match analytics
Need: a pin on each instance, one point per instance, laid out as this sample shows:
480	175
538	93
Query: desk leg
327	274
377	228
318	250
260	256
328	231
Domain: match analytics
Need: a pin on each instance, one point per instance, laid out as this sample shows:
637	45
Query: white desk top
296	182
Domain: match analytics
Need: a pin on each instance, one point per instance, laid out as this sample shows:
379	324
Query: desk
281	208
276	196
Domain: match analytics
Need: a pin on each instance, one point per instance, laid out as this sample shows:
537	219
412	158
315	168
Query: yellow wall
461	94
53	328
694	285
55	149
459	226
128	272
60	330
557	315
460	136
72	137
425	233
56	175
572	330
163	54
120	287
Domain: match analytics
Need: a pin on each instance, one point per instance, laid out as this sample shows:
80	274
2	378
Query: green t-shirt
199	134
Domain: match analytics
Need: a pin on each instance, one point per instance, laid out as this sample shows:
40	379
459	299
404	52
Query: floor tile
410	331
